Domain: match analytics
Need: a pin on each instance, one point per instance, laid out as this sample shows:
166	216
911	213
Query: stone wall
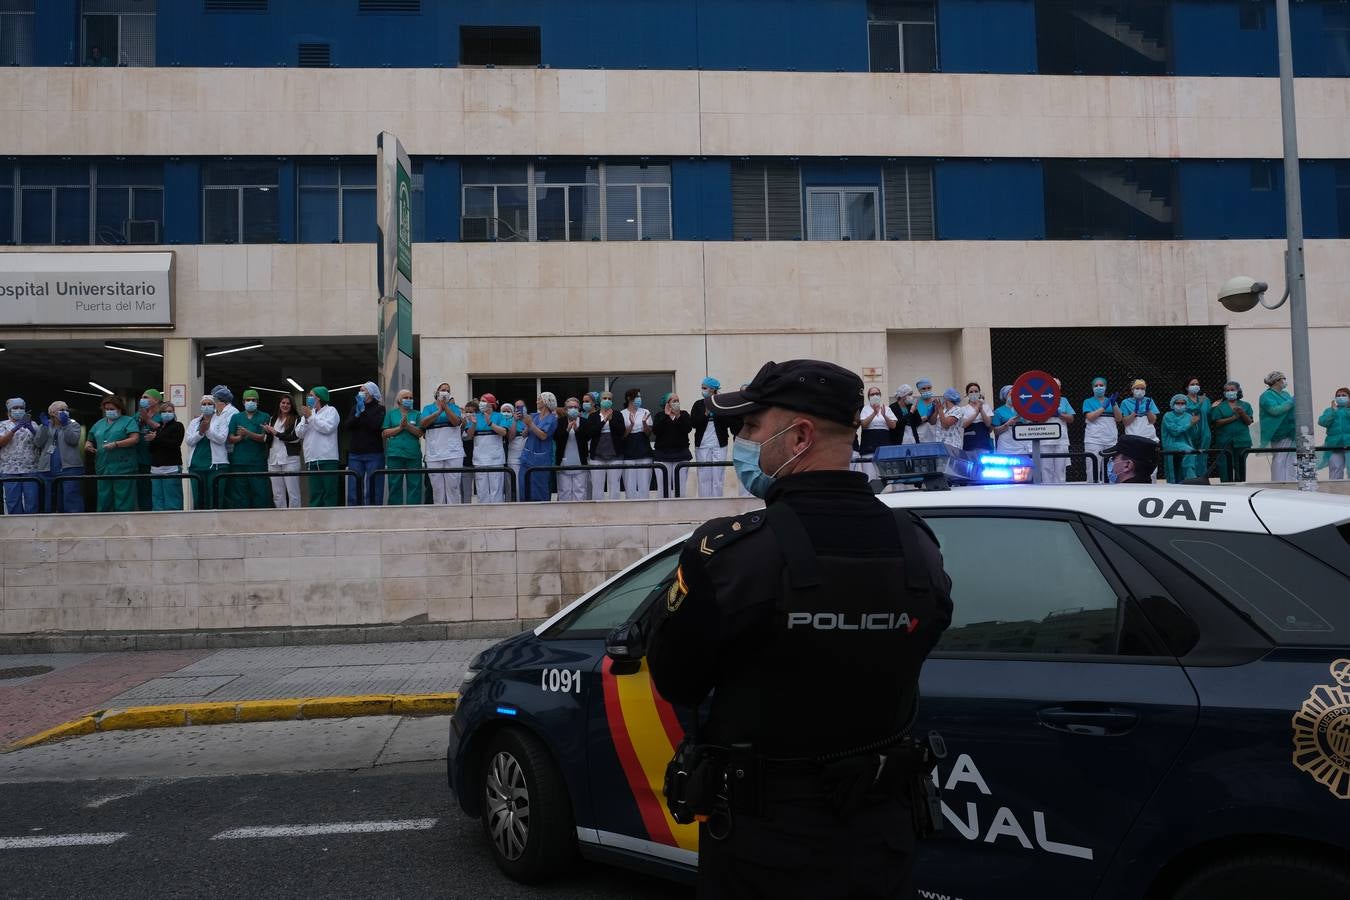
311	567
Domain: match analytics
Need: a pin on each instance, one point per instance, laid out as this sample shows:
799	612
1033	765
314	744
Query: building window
1336	28
908	191
766	201
1110	199
240	203
1343	199
901	36
118	32
1262	177
564	201
16	33
128	203
336	203
499	45
53	203
1252	15
842	214
1086	37
80	203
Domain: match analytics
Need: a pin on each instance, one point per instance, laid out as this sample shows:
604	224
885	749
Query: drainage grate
24	672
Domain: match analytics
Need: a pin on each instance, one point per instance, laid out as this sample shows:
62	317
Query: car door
631	732
1060	708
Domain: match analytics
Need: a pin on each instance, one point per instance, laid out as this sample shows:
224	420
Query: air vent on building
315	56
229	6
390	6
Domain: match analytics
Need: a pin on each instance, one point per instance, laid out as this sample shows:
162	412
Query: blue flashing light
506	710
991	460
996	473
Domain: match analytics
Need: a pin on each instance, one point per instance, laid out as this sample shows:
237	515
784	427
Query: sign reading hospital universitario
86	290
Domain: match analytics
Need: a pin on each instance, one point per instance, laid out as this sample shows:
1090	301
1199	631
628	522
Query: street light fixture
1241	294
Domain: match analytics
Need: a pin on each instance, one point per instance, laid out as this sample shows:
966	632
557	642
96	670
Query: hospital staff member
1336	420
1277	425
1177	427
1230	420
283	454
1198	404
710	439
569	449
61	454
1005	417
318	432
488	431
1099	429
877	426
166	458
147	420
605	432
200	461
927	410
218	433
113	441
403	449
440	424
538	449
249	439
637	446
1055	471
1137	413
18	457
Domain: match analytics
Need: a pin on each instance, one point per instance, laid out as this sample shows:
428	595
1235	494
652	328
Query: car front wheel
1262	876
527	815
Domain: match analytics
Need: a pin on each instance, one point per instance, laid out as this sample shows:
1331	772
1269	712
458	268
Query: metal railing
1072	455
682	467
15	479
603	467
58	497
218	479
510	479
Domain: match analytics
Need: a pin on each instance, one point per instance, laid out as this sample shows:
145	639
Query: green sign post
393	203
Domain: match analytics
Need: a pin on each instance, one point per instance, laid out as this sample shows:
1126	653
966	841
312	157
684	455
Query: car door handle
1096	720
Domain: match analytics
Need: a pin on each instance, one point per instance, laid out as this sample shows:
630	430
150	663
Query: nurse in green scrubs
1231	424
403	449
113	441
250	454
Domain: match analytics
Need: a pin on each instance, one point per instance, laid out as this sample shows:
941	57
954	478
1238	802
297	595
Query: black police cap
810	386
1135	447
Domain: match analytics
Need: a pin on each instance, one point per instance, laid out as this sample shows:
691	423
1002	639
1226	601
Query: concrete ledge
231	711
109	642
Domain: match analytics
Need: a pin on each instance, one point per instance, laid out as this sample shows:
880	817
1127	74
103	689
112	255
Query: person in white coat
218	433
318	433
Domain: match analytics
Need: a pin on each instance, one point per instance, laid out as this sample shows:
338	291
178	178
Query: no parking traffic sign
1035	396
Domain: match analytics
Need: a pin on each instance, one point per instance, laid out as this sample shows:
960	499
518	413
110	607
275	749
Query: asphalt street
125	818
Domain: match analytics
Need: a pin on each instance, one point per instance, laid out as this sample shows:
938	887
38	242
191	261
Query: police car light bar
998	469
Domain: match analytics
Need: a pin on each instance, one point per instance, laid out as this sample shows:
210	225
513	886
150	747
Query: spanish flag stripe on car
642	733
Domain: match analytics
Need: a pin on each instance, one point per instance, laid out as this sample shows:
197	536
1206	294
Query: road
128	818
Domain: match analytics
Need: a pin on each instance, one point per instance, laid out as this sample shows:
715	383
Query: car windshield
1290	595
616	603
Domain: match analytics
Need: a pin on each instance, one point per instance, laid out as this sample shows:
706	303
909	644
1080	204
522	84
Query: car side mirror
627	642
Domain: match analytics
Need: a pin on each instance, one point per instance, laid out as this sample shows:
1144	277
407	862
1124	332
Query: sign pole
1035	460
393	221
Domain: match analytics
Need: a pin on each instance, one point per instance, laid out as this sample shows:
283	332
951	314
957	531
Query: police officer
809	621
1133	460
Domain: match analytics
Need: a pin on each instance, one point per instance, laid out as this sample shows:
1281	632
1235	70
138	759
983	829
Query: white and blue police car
1144	692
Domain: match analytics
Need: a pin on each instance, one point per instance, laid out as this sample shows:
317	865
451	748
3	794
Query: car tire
1261	876
527	814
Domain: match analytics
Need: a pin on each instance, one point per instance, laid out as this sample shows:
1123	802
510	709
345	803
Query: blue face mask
1179	408
1193	389
166	417
1111	477
1343	400
1230	395
17	413
586	407
145	403
250	406
311	402
745	460
606	404
407	403
637	403
111	414
926	395
1099	390
572	412
208	409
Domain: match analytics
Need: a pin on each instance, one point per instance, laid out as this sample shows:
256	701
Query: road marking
61	840
271	831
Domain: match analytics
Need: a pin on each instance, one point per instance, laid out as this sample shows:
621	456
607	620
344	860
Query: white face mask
1139	393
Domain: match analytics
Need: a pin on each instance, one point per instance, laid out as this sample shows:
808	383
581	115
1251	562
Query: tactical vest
836	665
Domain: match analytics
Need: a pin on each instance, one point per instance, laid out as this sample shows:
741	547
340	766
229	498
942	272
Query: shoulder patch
717	534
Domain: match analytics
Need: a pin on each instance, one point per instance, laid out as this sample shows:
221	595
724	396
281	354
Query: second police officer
808	622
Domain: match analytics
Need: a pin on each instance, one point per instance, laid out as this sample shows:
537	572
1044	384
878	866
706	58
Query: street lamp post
1295	273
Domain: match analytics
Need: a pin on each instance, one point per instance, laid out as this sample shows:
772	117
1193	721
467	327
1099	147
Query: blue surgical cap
222	393
923	383
713	383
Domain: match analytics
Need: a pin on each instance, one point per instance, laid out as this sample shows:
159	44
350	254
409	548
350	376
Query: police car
1145	693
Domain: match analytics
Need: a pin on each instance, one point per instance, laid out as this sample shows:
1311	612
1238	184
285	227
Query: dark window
1251	15
1290	595
390	6
337	202
549	201
1087	37
901	36
908	189
766	201
118	32
241	203
499	45
1336	29
6	204
54	203
1262	176
1109	199
1343	199
16	33
615	604
128	203
314	56
230	6
1055	600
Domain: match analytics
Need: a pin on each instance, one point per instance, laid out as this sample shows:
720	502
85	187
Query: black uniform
811	621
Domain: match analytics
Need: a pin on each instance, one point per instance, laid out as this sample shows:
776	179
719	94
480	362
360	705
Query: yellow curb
230	711
73	728
142	717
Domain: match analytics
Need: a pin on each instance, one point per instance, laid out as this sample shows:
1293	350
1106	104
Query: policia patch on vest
677	591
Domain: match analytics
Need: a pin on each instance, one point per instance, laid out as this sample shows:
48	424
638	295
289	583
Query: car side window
1024	585
615	604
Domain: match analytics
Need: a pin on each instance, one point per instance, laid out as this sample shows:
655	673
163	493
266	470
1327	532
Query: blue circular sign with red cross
1035	396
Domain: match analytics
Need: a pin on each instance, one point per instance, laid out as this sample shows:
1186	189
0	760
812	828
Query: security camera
1241	293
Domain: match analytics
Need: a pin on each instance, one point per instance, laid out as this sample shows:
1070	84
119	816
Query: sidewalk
83	683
